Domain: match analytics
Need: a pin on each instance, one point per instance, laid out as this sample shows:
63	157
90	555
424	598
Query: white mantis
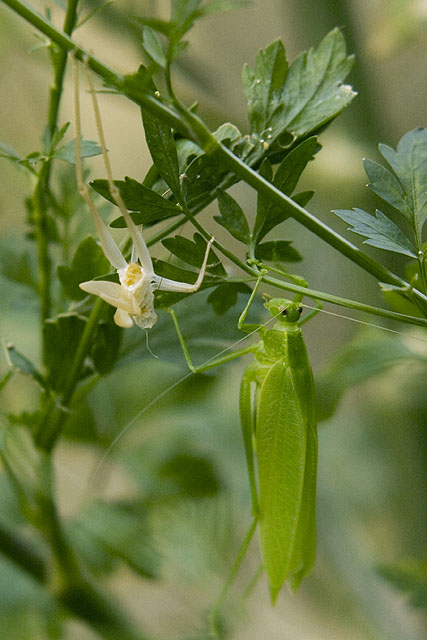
134	296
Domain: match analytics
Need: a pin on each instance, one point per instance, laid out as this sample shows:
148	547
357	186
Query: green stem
71	586
213	617
22	552
194	129
41	191
56	412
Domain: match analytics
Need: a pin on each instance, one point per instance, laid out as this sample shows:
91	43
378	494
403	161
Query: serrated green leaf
88	262
202	177
141	81
232	217
89	148
151	206
406	190
21	363
305	97
290	169
153	47
225	296
277	251
162	147
193	252
263	86
380	230
61	336
387	186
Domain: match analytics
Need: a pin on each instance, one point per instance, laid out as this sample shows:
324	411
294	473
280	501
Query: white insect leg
165	284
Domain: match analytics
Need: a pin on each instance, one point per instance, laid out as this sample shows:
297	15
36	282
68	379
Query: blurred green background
181	465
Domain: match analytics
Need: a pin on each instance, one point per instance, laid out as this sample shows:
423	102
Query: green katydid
279	422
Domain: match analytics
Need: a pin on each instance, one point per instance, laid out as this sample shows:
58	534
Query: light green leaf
153	47
406	190
380	230
232	217
89	148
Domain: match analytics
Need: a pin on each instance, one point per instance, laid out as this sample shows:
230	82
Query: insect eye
284	312
299	309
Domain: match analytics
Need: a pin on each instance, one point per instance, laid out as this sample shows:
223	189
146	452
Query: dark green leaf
88	262
106	344
139	82
121	530
67	153
380	230
153	47
18	268
277	251
232	217
290	169
407	192
409	576
369	354
202	176
193	252
276	215
225	296
20	363
151	207
162	147
61	337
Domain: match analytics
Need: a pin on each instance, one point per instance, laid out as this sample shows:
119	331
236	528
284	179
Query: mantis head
287	311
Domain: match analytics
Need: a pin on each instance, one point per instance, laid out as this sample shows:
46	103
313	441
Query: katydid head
286	311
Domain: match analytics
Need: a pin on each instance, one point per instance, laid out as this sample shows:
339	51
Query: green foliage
410	577
404	188
61	337
88	262
18	362
150	207
300	98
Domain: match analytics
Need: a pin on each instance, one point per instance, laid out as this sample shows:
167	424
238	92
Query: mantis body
279	429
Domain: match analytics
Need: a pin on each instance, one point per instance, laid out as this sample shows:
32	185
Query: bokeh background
182	460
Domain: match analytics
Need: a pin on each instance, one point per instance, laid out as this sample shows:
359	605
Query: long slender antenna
368	324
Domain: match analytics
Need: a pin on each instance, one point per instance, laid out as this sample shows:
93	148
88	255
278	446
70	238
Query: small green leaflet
153	47
232	217
89	148
162	147
301	98
410	577
149	204
19	362
380	230
405	187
